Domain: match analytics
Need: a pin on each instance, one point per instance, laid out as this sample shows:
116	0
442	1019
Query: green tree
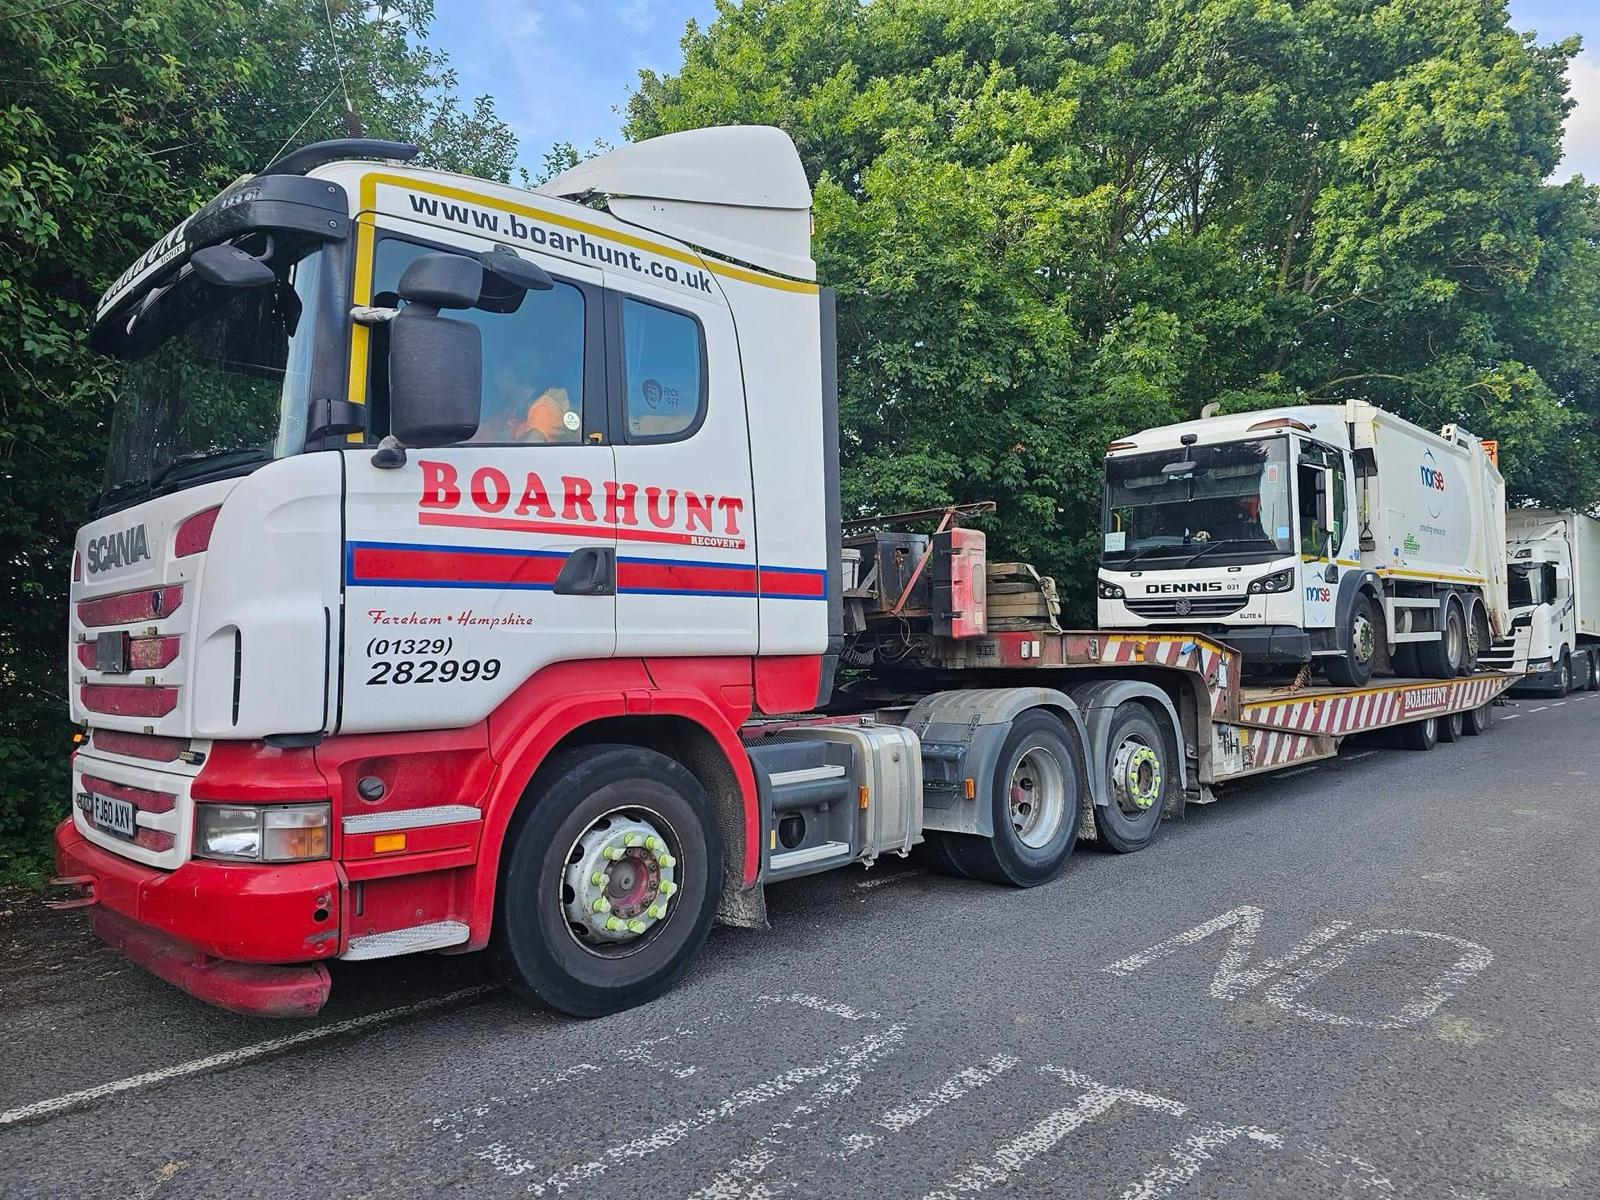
1051	223
116	120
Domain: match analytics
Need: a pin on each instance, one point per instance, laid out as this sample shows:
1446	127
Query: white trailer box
1582	536
1436	506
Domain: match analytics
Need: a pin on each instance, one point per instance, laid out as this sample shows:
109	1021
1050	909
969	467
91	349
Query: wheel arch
1353	584
1098	702
972	725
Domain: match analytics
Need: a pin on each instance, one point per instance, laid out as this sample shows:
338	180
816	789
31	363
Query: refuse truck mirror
435	377
230	267
442	280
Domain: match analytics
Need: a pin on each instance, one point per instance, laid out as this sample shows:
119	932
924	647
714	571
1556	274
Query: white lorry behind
1340	535
1555	595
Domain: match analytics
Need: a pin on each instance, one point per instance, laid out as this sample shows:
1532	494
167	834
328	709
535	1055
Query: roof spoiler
308	158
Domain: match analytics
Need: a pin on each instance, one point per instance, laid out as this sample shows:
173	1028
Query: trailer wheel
1452	727
1479	719
1138	772
1442	657
1036	802
1419	735
609	883
1353	668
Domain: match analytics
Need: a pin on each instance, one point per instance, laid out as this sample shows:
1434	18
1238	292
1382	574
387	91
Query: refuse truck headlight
1110	591
262	833
1278	581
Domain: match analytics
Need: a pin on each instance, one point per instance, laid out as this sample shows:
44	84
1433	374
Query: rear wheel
1593	684
1036	803
935	851
1442	658
1138	771
1419	735
610	881
1479	719
1452	727
1478	637
1405	661
1359	639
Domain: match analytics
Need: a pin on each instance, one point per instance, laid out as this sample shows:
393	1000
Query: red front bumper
220	932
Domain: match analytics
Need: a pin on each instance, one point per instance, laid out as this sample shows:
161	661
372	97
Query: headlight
1278	581
1110	591
262	833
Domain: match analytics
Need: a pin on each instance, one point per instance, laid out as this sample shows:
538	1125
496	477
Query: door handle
588	571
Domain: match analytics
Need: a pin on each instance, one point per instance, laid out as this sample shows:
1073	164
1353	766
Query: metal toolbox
888	764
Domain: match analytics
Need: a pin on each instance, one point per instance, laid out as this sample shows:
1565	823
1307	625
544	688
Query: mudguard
961	734
1098	701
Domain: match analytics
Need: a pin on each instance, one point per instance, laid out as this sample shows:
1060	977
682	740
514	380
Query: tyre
1442	657
1139	769
1036	803
1452	727
1419	735
1405	661
1479	719
1478	637
1359	638
610	881
1563	675
936	854
1593	683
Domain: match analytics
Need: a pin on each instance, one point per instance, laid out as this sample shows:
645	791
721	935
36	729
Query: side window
532	356
663	372
1312	483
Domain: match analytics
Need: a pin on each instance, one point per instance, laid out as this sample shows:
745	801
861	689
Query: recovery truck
470	574
1555	595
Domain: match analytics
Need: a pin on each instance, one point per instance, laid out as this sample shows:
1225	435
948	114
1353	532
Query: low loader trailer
471	576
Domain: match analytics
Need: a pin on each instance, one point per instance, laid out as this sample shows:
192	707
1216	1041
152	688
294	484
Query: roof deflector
737	190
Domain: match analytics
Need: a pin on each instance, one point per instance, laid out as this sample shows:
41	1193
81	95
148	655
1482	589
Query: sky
562	70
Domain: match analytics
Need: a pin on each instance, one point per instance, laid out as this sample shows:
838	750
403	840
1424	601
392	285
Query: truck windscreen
219	380
1233	497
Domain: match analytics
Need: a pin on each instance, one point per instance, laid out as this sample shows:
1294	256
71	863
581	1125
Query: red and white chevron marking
1270	748
1372	709
1175	652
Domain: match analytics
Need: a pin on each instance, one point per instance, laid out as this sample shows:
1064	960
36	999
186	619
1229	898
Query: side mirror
441	280
435	374
230	267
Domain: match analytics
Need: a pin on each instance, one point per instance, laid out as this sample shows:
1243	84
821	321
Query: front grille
1169	608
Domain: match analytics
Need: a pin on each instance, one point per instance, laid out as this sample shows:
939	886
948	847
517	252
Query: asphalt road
1376	977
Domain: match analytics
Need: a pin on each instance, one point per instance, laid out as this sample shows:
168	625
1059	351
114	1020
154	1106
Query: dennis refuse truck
470	575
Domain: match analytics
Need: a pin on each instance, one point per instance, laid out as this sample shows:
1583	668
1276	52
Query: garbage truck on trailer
470	573
1338	535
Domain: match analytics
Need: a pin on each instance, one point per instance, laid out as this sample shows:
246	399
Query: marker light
194	535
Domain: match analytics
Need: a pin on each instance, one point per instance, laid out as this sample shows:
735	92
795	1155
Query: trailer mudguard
1097	701
961	734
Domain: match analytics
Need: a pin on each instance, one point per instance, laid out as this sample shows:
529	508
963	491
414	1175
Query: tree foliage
1051	222
116	120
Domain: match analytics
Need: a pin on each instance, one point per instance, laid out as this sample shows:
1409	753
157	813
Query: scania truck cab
1338	535
1555	597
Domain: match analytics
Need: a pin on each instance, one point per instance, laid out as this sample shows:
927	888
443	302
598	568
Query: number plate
113	815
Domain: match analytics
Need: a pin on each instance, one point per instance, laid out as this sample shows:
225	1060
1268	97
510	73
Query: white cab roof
1326	421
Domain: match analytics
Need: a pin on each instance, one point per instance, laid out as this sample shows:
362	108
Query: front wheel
1036	803
1563	683
1359	642
609	883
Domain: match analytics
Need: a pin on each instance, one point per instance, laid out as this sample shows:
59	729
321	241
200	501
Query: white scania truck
470	575
1339	535
1555	595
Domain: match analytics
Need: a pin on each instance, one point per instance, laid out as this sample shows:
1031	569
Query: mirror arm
390	454
365	314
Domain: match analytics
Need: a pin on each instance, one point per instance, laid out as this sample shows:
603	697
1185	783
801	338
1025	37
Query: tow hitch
81	892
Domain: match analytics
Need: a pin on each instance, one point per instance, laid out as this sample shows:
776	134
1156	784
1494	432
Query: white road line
1359	754
897	877
1511	716
1559	704
228	1058
897	1120
1541	708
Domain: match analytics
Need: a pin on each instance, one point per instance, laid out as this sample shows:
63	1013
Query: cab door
686	552
473	566
1321	497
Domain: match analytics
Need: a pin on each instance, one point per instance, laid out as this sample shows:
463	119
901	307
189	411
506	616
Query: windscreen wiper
1210	546
218	459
